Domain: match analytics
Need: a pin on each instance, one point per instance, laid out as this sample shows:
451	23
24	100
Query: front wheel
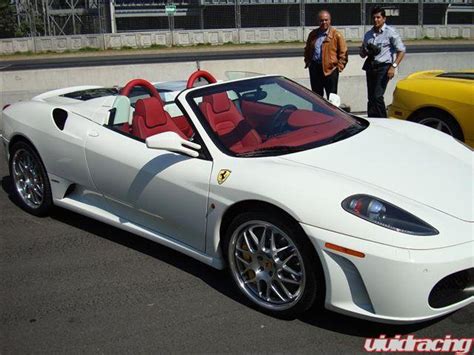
273	263
31	186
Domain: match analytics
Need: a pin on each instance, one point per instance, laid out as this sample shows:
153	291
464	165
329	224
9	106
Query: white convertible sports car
301	200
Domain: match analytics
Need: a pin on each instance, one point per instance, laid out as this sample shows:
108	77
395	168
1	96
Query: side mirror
173	142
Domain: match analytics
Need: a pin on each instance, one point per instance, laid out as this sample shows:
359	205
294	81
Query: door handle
93	134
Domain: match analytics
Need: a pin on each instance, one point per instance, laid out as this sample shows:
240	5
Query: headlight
386	215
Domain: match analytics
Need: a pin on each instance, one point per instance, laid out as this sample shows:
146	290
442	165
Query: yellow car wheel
439	120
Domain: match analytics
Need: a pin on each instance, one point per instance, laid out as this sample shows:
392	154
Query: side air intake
59	117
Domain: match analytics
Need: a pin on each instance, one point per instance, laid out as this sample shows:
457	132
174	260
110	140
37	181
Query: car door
163	191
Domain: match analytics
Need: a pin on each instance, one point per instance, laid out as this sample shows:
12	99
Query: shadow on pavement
221	280
340	323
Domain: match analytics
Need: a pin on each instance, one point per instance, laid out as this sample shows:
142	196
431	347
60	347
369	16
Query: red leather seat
229	124
150	118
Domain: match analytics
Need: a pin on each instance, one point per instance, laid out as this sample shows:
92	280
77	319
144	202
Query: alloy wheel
27	178
267	265
436	123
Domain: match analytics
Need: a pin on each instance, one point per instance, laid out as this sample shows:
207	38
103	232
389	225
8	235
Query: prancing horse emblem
223	175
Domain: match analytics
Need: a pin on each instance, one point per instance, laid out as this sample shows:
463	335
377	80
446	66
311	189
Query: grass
28	53
451	38
158	46
88	49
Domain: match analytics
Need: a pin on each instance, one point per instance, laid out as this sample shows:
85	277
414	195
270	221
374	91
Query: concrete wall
214	37
22	85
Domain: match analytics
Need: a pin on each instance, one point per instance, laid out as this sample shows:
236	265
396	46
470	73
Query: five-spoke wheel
441	121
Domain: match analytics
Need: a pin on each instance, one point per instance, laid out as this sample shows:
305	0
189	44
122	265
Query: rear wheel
273	263
31	186
441	121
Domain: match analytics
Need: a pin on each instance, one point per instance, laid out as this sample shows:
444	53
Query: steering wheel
127	89
200	74
279	121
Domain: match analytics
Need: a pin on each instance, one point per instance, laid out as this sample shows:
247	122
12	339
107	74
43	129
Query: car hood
410	160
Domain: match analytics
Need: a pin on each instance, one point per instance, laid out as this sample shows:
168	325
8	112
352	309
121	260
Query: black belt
378	65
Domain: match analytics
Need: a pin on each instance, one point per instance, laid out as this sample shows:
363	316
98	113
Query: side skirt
94	210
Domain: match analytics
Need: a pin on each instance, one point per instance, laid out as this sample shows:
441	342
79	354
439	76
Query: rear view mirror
171	141
255	95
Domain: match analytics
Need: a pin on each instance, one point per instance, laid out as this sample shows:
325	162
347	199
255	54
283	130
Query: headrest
151	109
219	102
122	109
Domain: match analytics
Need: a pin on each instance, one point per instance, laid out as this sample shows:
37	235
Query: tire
31	187
283	280
441	121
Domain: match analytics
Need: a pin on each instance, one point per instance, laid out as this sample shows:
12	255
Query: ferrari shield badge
223	175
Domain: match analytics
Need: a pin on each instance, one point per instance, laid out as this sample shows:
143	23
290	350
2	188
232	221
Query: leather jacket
334	50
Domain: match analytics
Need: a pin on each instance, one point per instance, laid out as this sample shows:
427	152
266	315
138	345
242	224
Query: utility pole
113	24
238	17
302	18
99	13
363	19
420	12
302	13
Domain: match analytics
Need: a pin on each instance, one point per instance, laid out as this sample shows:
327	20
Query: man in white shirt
380	45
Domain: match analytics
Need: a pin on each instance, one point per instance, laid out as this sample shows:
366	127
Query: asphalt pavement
70	284
192	54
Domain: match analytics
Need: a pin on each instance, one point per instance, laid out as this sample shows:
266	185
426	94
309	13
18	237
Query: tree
7	19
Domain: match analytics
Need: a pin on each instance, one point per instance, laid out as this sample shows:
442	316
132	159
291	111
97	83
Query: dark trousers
320	82
377	81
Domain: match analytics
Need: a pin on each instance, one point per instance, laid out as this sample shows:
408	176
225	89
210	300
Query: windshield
269	116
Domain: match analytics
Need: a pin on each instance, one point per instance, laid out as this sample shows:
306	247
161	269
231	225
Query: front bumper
389	284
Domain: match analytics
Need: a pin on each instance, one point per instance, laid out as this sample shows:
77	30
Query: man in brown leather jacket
326	55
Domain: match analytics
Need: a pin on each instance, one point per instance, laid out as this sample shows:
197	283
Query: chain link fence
71	17
213	14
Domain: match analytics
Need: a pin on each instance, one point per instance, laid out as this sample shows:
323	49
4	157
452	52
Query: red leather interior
126	128
259	115
306	135
127	89
200	74
305	118
150	118
228	123
183	125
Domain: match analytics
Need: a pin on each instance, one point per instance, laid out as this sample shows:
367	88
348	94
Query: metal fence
212	14
71	17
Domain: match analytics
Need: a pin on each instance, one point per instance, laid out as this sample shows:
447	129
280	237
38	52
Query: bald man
325	55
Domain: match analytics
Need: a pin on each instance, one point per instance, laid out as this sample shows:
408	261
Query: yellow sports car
439	99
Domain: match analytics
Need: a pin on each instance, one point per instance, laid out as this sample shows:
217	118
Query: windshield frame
191	94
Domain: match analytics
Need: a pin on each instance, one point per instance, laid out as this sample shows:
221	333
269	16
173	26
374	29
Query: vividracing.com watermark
448	344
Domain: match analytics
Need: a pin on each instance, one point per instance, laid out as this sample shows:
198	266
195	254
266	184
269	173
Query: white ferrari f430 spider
301	200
